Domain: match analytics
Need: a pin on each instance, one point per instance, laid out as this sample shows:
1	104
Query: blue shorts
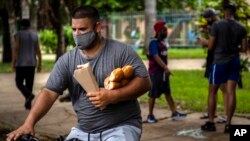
221	73
160	84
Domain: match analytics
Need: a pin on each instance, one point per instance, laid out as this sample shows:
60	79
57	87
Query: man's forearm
135	88
42	105
244	45
160	62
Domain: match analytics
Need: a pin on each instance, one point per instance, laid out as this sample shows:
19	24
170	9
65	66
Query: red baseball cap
159	25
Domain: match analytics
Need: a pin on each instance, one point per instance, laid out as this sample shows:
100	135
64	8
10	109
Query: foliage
69	41
245	64
48	40
165	5
242	14
109	6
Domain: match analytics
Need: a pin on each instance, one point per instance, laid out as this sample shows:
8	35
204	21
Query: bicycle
28	137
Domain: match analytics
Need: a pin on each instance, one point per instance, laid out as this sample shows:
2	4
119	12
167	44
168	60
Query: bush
68	37
48	40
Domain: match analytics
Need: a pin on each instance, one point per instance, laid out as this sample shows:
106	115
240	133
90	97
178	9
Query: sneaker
28	102
222	119
208	126
178	116
151	119
227	128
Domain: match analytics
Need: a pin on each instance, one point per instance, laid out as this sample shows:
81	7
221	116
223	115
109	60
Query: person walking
26	56
104	114
159	73
227	38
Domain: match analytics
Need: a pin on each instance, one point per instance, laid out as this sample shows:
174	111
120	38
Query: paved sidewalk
61	117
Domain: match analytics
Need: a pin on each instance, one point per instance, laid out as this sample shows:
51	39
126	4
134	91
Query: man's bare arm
135	88
211	42
42	105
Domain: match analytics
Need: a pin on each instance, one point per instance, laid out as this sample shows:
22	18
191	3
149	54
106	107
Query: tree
150	16
54	14
8	11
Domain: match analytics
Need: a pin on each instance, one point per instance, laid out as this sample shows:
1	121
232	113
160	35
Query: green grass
47	66
5	68
182	53
190	91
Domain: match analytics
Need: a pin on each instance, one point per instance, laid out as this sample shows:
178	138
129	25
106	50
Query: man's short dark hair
86	11
25	23
230	7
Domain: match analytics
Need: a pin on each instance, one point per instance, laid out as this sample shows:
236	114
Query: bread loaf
119	77
128	71
111	85
116	75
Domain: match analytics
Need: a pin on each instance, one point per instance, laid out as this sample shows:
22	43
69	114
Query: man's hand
13	67
39	68
167	71
14	135
101	98
203	42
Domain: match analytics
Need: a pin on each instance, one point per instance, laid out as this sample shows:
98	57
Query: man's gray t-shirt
28	46
223	31
90	119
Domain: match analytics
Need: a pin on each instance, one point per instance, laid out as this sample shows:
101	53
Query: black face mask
163	34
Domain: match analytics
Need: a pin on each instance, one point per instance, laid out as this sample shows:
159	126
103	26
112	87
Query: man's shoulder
113	42
68	54
116	45
220	22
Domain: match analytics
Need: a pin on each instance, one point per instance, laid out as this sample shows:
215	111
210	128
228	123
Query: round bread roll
106	82
116	75
125	82
128	71
113	85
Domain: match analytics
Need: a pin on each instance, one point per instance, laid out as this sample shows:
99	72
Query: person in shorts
159	73
227	38
211	16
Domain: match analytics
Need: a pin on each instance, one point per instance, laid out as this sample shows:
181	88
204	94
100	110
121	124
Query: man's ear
98	27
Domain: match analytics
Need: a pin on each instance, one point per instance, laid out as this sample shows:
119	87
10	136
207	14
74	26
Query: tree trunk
57	22
61	44
150	18
8	18
25	9
33	14
6	37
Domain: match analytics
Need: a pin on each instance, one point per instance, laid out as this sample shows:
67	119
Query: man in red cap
159	72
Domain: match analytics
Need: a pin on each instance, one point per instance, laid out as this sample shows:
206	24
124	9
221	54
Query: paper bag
85	77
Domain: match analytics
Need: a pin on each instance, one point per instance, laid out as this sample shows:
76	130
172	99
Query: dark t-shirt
28	46
156	48
224	32
91	119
